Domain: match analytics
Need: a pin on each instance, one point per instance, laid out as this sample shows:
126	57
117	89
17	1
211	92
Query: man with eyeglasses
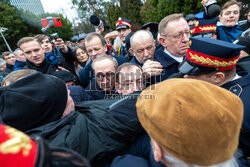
10	59
174	36
96	46
103	83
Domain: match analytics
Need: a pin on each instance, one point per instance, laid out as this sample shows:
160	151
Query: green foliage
113	14
17	28
155	10
86	8
130	9
22	23
148	12
7	2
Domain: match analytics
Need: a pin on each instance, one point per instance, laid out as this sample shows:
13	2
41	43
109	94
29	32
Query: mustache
147	58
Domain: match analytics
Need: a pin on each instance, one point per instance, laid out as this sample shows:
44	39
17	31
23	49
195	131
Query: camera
49	23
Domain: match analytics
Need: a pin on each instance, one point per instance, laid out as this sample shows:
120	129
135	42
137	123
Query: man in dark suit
96	46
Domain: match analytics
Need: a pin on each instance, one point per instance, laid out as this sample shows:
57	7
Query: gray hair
138	34
103	57
164	22
16	50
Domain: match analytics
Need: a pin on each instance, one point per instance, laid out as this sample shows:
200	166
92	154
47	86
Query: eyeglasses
100	76
81	53
149	48
179	36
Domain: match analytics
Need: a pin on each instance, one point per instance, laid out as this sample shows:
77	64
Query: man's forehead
142	40
130	73
180	23
45	39
33	42
11	54
94	39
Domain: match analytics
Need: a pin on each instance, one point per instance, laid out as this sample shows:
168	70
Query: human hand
152	68
59	43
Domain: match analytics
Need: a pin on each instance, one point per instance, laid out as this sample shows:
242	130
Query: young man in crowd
35	56
59	49
227	29
123	26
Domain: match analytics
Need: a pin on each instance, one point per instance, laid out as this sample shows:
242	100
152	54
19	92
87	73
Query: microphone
96	21
212	9
51	59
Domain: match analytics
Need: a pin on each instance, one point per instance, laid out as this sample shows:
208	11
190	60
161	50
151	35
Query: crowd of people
179	98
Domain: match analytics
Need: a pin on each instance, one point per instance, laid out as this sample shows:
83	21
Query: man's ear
157	151
117	87
131	51
219	78
162	41
219	18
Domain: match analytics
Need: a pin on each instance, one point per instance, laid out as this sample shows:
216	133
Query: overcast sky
60	6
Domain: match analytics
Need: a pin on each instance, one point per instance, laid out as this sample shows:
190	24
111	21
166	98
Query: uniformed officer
18	149
214	61
123	27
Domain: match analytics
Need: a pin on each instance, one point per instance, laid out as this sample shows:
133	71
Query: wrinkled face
123	32
105	74
10	59
175	37
130	80
230	16
33	52
81	55
46	45
143	49
95	48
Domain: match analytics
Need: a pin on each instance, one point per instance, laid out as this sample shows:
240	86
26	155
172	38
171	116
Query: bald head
140	35
142	45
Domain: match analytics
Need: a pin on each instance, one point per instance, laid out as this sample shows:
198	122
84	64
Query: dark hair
74	51
41	37
228	4
6	54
